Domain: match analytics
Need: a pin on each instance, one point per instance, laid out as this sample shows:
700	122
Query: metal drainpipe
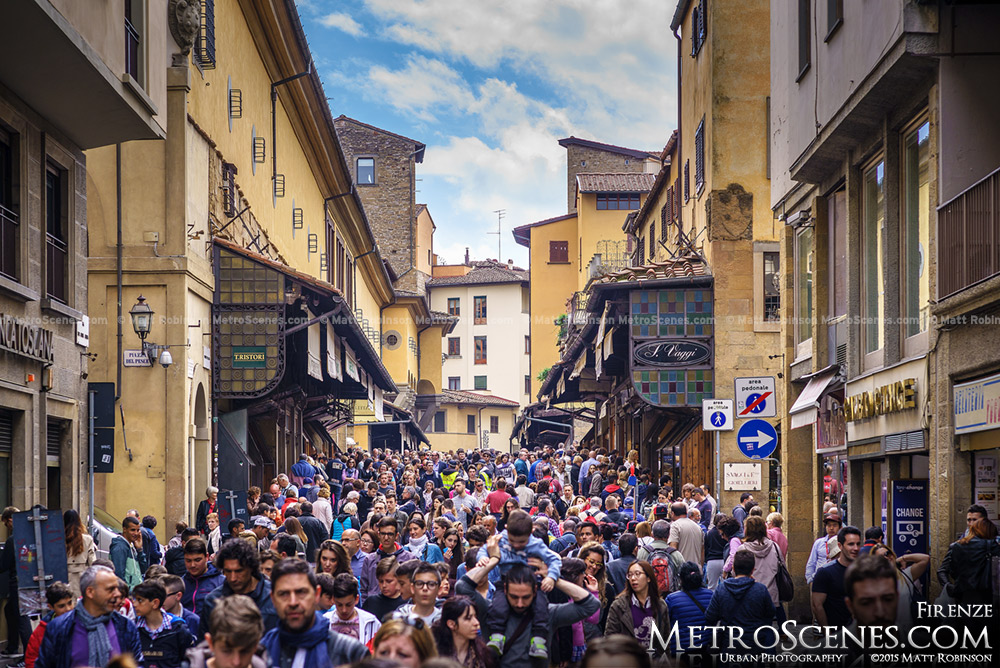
118	264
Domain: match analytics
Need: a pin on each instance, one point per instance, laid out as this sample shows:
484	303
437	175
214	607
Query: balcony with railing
969	237
610	256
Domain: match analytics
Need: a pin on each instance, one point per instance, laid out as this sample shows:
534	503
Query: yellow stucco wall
456	433
551	285
425	241
402	361
594	226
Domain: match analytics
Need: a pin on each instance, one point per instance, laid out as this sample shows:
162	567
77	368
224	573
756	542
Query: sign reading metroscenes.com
952	634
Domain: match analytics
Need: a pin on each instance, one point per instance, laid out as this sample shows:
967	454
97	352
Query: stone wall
389	202
585	160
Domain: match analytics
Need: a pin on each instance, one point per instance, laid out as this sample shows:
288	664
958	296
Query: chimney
466	256
510	264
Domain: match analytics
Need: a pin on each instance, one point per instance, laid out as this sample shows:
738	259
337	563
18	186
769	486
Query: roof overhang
52	68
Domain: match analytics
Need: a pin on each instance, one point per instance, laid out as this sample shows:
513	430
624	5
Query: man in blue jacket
94	632
126	552
240	562
740	601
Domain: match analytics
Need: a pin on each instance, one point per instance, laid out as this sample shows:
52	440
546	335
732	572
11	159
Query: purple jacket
369	583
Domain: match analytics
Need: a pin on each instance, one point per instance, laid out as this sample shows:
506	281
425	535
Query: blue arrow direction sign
757	439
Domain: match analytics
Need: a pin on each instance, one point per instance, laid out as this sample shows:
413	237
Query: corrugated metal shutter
6	431
53	441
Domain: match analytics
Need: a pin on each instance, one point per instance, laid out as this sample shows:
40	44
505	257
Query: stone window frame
358	159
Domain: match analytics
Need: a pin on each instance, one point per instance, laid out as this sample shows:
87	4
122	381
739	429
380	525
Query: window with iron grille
204	46
479	310
470	424
454	346
699	27
56	239
699	157
9	227
479	383
687	180
439	424
772	297
559	251
480	344
454	306
494	424
618	202
454	383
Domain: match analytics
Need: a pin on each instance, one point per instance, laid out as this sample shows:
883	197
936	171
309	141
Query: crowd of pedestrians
423	559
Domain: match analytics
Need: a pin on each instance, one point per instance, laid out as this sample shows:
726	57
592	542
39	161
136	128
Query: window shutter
676	192
53	438
558	251
6	431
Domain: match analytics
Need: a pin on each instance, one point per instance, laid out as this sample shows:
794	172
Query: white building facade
488	351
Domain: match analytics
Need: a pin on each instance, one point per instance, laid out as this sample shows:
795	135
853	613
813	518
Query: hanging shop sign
670	336
249	357
20	338
671	353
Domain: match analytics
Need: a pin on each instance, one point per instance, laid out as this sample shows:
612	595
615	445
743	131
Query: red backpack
666	577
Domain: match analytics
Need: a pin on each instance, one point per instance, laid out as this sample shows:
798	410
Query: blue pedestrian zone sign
719	419
757	439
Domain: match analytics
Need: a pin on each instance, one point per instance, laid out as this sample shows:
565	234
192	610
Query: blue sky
490	86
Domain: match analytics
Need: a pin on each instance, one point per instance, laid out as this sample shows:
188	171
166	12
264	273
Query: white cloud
344	23
422	86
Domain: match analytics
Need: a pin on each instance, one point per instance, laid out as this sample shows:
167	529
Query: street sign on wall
717	415
755	397
757	439
742	477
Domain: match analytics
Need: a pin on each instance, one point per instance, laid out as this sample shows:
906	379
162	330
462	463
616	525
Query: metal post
718	472
92	465
231	496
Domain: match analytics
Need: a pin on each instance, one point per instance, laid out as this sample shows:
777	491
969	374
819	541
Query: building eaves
418	146
679	13
475	399
522	233
610	148
483	275
615	183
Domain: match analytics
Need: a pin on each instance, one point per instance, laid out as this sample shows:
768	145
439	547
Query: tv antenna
500	214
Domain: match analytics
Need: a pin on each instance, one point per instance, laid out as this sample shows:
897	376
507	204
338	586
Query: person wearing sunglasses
426	582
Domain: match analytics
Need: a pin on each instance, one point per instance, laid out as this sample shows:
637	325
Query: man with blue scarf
94	632
303	636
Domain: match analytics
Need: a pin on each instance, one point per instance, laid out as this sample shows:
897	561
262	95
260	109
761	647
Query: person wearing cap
825	549
262	528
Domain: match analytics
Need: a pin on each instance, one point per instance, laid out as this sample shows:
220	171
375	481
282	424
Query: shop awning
805	410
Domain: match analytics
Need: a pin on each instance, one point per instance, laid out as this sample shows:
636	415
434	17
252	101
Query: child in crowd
235	627
516	545
388	598
165	638
325	583
60	598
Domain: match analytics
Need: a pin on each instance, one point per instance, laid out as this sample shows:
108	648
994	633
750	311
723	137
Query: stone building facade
584	156
384	168
84	93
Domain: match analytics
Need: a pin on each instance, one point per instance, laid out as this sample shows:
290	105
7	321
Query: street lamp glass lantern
142	318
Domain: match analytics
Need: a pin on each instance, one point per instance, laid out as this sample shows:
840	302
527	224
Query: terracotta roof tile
483	272
466	397
688	266
615	183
